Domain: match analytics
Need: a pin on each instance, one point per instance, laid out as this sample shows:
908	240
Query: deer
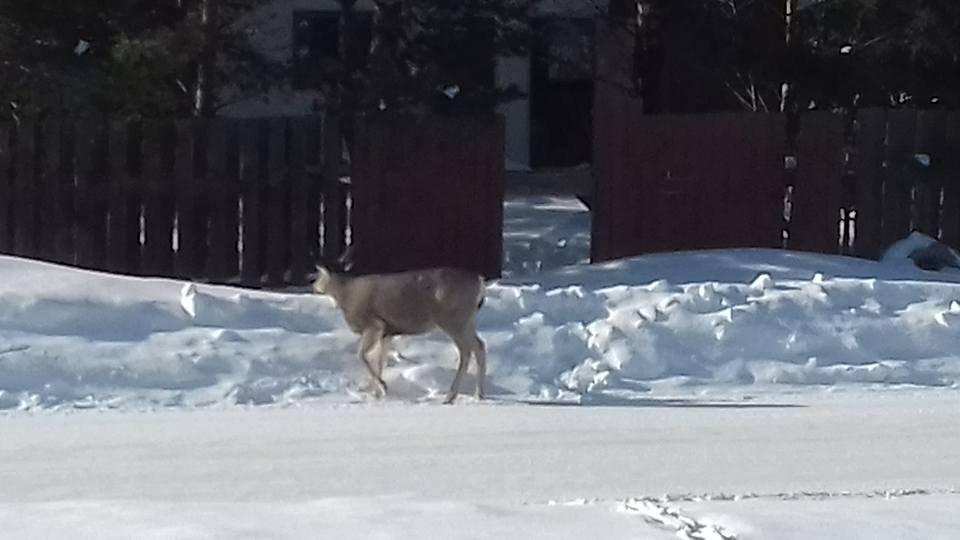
379	307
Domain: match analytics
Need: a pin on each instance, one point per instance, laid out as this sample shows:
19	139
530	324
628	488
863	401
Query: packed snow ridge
652	325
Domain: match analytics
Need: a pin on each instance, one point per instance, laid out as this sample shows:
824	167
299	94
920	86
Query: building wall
271	32
271	29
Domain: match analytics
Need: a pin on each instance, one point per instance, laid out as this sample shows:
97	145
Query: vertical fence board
123	229
370	159
217	185
868	168
230	203
148	186
610	150
492	171
897	179
157	198
314	185
52	196
166	202
6	190
741	210
334	194
770	176
276	201
191	221
930	140
711	201
101	184
88	200
817	196
758	181
24	182
250	182
300	252
950	218
653	178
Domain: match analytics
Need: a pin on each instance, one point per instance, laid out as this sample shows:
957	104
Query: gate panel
691	182
428	192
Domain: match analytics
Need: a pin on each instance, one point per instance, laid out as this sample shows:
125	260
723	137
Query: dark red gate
428	191
676	182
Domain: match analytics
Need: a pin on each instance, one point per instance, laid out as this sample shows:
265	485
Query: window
316	46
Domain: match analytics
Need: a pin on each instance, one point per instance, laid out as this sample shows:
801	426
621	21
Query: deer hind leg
465	348
383	354
480	352
371	339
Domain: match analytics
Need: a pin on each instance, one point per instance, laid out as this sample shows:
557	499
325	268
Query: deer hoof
377	388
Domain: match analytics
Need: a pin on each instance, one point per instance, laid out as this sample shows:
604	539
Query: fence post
221	191
191	218
252	193
334	195
54	245
299	200
930	140
6	190
901	127
868	191
89	145
276	201
123	242
24	183
950	218
818	193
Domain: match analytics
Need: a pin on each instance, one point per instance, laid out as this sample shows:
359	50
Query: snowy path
282	472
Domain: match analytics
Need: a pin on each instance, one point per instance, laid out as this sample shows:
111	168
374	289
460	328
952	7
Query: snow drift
656	324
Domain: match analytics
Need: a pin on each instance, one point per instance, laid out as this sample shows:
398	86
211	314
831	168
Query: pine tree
882	52
130	57
435	55
744	54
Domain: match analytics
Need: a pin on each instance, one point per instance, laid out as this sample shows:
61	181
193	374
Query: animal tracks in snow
666	512
668	517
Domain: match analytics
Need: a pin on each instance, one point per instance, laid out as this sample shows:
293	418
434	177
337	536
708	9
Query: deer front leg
370	339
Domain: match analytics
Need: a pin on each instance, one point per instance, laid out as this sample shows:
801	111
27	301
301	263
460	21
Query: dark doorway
561	92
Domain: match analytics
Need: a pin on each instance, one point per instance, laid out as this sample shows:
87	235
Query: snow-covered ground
661	325
843	464
757	389
544	233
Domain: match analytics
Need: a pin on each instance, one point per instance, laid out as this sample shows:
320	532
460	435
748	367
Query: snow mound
923	251
655	324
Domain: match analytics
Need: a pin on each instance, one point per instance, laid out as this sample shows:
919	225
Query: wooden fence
838	185
253	202
863	184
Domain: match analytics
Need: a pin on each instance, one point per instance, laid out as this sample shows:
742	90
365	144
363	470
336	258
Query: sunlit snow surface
722	394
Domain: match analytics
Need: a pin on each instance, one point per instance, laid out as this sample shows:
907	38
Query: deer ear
346	259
